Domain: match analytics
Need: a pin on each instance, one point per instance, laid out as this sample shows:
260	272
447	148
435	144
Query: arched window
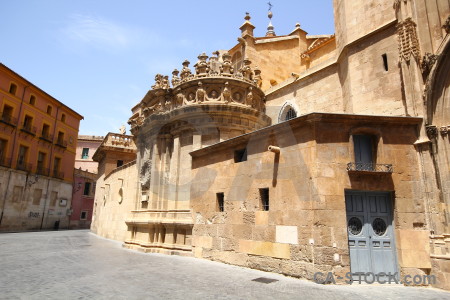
287	112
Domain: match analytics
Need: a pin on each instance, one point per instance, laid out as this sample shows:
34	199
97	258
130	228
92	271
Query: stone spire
270	31
247	27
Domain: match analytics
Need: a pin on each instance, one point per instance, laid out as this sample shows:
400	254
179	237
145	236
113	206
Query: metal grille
290	114
354	226
369	167
379	226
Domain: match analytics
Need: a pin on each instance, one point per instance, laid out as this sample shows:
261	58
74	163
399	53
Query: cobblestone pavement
81	265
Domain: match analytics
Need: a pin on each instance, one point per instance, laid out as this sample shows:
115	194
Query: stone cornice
304	120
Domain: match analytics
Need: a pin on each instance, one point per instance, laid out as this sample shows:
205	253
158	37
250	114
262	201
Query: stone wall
115	196
33	203
304	230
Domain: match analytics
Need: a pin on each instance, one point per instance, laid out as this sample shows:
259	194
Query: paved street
81	265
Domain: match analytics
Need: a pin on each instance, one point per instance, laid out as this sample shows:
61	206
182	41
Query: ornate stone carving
158	82
408	44
175	78
246	70
200	94
428	61
185	72
257	79
145	174
432	131
201	67
444	130
214	64
249	98
226	93
165	82
179	101
226	67
446	25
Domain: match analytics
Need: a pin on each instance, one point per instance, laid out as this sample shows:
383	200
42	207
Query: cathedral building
296	154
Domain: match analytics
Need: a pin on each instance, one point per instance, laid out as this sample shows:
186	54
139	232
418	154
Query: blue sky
99	57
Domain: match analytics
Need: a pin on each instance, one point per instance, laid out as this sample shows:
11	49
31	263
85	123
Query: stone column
154	184
173	173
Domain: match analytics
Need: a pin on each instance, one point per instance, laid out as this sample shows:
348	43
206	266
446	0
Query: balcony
46	137
58	174
43	171
8	119
23	166
28	129
369	167
61	143
5	162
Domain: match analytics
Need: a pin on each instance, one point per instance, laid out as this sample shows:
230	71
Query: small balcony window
85	153
13	89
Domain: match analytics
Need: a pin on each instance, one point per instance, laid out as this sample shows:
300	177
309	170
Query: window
7	113
37	195
240	155
364	152
53	198
85	153
21	159
13	89
41	162
60	140
3	147
63	118
385	62
49	109
287	112
87	188
46	131
83	215
220	201
32	100
27	121
290	114
119	163
264	196
56	166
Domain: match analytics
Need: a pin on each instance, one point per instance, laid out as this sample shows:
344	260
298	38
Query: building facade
299	154
85	176
38	136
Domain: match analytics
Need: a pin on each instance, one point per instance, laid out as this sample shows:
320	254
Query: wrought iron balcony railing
5	162
23	166
8	119
29	129
58	174
46	137
61	143
42	171
369	167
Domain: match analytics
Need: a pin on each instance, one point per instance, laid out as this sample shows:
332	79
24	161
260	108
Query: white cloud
98	32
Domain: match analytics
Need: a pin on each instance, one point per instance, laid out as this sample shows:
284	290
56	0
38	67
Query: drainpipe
49	166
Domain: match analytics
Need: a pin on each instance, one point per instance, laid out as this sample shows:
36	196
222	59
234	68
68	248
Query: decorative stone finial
270	28
185	72
297	25
247	27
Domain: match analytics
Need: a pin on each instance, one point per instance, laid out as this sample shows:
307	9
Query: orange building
38	136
